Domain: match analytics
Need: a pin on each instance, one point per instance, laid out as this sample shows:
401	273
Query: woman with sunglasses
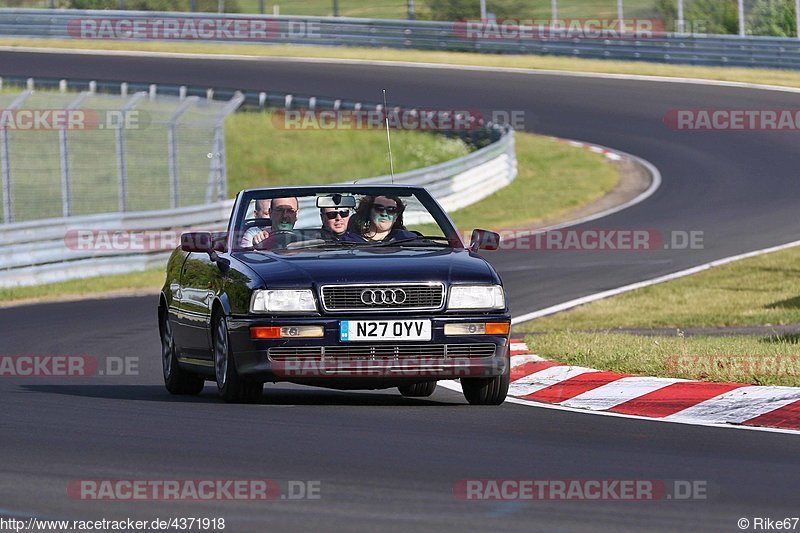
380	219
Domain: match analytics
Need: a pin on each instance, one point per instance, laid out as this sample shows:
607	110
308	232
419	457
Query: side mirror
219	241
484	240
199	241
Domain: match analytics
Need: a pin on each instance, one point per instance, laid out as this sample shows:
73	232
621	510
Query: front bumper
328	361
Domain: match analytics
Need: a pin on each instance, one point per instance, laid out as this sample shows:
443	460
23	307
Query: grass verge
759	291
570	64
263	154
761	360
146	281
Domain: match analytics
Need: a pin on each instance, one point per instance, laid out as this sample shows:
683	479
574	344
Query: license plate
385	330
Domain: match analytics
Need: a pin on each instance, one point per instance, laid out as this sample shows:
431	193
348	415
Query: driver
283	213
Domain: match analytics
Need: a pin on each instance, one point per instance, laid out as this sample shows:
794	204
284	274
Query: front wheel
487	391
176	379
232	388
418	390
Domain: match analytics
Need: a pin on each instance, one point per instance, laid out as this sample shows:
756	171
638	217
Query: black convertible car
346	286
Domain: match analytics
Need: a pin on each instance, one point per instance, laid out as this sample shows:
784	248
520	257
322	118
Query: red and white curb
534	379
608	153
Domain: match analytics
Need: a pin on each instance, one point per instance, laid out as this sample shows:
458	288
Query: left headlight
283	301
476	297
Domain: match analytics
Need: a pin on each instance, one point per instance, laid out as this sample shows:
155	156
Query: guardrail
52	250
725	50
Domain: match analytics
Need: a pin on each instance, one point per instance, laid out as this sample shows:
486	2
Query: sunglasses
331	215
388	209
284	211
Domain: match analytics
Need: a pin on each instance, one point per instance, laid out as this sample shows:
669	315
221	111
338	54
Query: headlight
476	297
283	301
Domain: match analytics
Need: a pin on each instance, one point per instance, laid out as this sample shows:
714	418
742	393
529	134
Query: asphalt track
390	463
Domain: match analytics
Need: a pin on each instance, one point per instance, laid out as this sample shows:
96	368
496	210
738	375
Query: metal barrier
52	250
724	50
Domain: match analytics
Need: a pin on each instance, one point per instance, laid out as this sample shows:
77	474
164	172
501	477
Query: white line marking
739	405
456	387
519	360
544	378
617	392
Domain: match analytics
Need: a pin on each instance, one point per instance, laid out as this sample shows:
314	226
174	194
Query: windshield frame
245	197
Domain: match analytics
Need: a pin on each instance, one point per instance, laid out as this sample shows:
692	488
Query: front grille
384	351
418	296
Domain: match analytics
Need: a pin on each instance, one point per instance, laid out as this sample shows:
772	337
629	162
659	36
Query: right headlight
283	301
476	297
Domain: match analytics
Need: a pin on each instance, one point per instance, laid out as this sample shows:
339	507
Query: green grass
390	9
146	280
263	155
552	179
760	360
759	291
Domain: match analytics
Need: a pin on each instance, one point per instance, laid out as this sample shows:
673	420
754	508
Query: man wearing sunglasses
334	221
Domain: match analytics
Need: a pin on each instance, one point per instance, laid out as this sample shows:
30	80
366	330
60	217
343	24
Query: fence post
797	16
741	18
122	169
8	215
66	179
172	146
681	22
218	167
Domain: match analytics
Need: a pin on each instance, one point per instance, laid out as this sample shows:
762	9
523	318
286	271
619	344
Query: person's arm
252	236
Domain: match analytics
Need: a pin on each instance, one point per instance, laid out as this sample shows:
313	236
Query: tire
176	379
231	387
418	390
487	391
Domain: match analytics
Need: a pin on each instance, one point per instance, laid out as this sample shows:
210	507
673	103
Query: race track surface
388	462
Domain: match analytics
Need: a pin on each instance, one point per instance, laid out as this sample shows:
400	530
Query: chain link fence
65	154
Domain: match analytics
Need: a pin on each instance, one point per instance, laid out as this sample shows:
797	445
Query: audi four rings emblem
383	296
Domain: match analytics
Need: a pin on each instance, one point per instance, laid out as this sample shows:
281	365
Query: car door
199	277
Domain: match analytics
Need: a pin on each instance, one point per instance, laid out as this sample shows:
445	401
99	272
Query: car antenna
388	137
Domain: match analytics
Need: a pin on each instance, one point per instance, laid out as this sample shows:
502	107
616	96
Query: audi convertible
341	286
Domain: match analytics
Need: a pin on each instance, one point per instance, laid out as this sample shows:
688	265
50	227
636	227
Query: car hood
304	268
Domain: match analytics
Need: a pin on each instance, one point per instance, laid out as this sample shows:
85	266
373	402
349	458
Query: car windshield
347	217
